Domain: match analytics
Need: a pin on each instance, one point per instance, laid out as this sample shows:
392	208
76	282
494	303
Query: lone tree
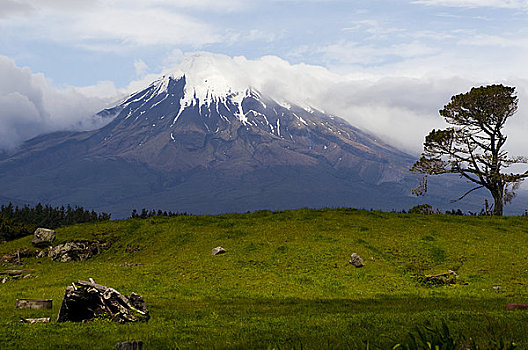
473	145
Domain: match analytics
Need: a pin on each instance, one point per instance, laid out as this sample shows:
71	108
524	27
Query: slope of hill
285	280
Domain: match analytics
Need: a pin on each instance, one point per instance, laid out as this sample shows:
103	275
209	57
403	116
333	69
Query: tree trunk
498	203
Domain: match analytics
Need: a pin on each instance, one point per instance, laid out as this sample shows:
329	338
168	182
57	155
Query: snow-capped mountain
204	142
174	125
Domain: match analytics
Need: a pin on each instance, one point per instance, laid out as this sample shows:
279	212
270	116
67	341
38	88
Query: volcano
201	144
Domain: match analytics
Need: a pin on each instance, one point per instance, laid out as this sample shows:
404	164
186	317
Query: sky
386	66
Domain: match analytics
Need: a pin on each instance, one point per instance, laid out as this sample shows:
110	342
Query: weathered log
34	303
36	320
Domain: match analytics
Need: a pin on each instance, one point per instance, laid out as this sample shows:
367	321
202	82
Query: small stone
4	280
27	276
497	287
356	260
218	250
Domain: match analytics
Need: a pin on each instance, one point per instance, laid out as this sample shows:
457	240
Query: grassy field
285	281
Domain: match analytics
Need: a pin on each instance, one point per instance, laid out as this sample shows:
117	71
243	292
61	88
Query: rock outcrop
88	300
75	251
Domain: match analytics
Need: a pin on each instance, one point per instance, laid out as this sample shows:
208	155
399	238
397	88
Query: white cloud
141	67
10	8
30	106
115	25
511	4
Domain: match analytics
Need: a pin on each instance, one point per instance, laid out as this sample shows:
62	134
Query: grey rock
218	250
356	260
88	300
73	251
43	237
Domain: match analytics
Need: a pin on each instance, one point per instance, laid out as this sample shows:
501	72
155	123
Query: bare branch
465	194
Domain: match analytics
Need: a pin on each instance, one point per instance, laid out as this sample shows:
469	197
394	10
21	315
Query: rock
88	300
12	272
36	320
497	287
4	280
218	250
16	256
42	254
43	237
34	303
517	307
356	260
74	251
130	345
437	280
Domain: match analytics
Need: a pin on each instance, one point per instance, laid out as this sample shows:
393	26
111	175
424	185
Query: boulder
88	300
218	250
43	237
356	260
74	251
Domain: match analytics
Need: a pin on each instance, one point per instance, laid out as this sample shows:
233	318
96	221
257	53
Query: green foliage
423	209
441	338
11	229
473	146
285	281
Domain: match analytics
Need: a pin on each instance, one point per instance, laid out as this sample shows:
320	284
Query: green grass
285	281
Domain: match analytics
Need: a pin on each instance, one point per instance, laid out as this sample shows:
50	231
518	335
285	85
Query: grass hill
285	281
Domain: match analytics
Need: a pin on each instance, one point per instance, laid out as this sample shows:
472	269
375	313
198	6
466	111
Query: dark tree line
145	213
17	221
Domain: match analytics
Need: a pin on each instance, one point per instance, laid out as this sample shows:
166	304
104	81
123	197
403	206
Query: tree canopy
473	145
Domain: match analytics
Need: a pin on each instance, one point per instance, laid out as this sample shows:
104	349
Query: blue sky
386	66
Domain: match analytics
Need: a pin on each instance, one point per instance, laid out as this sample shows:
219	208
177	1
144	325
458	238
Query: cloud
10	8
400	109
117	25
141	67
508	4
30	106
